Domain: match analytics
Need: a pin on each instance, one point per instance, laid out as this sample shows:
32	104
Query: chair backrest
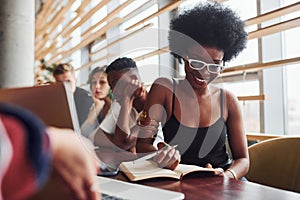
276	163
54	103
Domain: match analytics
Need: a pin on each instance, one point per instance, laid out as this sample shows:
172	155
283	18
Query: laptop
115	189
54	104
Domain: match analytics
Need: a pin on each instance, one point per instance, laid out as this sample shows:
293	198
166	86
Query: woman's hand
219	171
168	157
74	162
99	104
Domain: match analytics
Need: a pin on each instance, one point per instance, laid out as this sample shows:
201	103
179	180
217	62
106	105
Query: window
241	86
250	109
291	50
143	42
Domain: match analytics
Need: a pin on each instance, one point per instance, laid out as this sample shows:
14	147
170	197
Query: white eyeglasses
199	65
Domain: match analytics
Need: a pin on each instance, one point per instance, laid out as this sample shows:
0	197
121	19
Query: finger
159	156
73	180
95	192
134	81
137	87
62	184
91	190
219	172
140	84
174	165
77	188
167	160
95	196
161	145
81	186
208	165
138	91
166	157
64	175
89	180
174	161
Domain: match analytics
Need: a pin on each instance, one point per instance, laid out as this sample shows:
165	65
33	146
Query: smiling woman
203	38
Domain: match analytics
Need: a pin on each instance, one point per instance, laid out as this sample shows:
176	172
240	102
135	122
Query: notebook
115	189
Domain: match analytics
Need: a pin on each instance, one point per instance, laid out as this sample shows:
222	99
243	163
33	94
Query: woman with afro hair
197	116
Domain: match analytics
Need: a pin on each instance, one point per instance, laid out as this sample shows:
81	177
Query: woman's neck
107	105
191	91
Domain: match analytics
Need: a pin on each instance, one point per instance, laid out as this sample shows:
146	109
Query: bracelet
232	172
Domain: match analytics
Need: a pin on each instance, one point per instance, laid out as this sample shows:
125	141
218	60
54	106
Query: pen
166	145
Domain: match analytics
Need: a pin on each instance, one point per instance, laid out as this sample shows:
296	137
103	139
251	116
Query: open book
145	169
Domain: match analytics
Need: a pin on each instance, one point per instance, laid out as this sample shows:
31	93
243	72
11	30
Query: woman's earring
110	94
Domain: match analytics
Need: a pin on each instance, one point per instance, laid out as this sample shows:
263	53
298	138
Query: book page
146	169
185	169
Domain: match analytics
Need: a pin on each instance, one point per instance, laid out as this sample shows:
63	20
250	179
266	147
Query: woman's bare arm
237	138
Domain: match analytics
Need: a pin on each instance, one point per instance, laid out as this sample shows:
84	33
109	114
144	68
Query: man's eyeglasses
199	65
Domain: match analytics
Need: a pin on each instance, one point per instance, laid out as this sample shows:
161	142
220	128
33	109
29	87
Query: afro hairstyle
208	24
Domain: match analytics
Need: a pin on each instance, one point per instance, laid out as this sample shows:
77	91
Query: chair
276	163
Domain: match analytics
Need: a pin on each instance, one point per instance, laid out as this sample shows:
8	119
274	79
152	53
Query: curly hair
209	24
121	64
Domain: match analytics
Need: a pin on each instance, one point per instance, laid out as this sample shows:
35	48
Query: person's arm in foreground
36	148
75	162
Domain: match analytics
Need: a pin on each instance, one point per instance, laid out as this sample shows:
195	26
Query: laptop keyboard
110	197
112	189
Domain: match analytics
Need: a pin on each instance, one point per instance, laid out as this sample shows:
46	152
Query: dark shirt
101	116
83	102
199	146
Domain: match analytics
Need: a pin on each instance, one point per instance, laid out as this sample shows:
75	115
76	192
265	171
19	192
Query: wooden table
197	187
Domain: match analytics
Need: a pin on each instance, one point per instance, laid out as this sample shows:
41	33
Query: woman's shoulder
228	94
230	98
160	90
162	83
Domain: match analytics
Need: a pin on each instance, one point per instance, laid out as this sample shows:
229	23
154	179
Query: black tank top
199	146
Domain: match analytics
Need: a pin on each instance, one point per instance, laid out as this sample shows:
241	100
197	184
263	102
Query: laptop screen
54	103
